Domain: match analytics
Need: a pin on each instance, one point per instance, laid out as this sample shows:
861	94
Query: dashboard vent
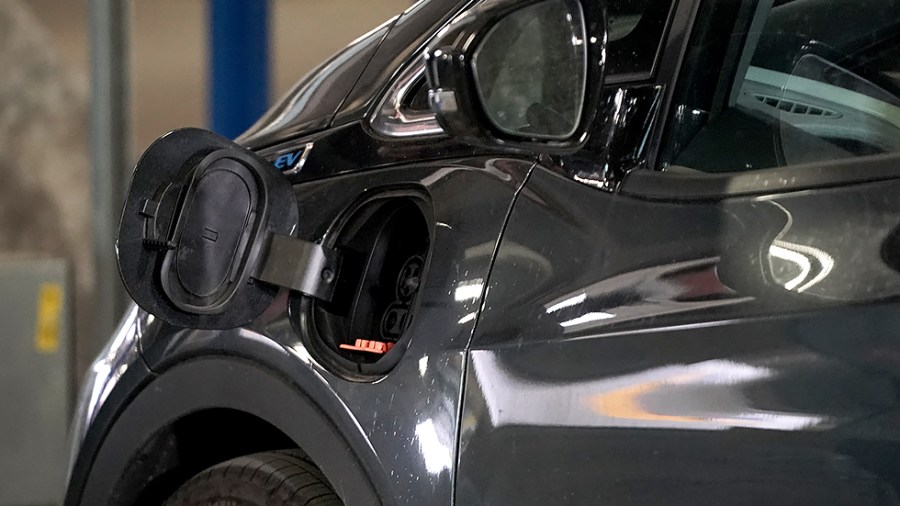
796	107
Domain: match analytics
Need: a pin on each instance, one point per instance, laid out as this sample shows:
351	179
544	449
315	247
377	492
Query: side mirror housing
520	74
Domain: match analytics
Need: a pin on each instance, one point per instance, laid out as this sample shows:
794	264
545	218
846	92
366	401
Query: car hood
312	103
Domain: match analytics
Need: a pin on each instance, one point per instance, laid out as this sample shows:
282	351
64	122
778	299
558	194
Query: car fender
334	442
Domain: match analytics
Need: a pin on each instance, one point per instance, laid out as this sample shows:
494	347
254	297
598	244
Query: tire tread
285	478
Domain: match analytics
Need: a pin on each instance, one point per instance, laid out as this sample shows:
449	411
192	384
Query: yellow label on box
49	311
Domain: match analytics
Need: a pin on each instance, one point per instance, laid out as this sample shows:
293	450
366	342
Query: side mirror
519	74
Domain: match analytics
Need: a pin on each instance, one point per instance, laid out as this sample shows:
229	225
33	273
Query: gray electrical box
35	380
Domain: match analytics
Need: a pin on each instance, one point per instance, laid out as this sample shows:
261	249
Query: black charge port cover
198	213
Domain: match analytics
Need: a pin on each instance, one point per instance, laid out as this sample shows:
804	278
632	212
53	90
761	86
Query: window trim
392	120
633	77
682	184
668	72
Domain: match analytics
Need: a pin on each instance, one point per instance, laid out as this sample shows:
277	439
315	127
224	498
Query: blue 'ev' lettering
286	161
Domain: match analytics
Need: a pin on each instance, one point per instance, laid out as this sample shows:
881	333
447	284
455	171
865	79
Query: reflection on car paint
604	339
674	288
810	265
624	138
707	395
415	452
310	105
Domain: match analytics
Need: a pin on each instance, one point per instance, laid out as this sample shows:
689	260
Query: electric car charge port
361	331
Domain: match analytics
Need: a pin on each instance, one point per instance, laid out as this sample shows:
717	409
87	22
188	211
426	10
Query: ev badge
291	162
288	160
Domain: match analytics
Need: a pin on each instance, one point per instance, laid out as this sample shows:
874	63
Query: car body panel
353	148
410	457
312	103
647	352
344	88
573	344
402	47
133	453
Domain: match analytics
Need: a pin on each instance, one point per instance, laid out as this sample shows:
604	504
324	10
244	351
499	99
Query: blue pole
238	64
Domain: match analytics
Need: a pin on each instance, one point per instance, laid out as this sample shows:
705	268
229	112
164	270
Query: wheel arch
195	411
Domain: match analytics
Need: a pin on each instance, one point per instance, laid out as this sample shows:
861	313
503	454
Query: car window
636	30
770	84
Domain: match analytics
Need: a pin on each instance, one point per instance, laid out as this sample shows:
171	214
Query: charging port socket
362	330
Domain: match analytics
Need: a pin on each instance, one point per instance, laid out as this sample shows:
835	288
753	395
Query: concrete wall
44	54
168	49
44	165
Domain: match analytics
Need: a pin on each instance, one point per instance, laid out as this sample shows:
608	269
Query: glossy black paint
402	47
313	102
740	351
355	147
692	185
620	139
401	428
589	331
137	461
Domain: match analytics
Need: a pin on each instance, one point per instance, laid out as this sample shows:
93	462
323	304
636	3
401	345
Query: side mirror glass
521	74
531	68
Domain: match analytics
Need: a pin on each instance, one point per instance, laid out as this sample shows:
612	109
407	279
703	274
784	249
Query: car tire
263	479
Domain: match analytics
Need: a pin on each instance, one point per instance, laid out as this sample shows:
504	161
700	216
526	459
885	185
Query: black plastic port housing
385	244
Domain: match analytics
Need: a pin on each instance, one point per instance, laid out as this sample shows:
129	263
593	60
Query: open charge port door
207	240
361	331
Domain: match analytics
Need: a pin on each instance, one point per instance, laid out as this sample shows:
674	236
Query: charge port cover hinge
304	266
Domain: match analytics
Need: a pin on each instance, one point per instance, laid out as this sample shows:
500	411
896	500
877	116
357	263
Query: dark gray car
525	252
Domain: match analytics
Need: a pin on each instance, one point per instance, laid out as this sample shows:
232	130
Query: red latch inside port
365	345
